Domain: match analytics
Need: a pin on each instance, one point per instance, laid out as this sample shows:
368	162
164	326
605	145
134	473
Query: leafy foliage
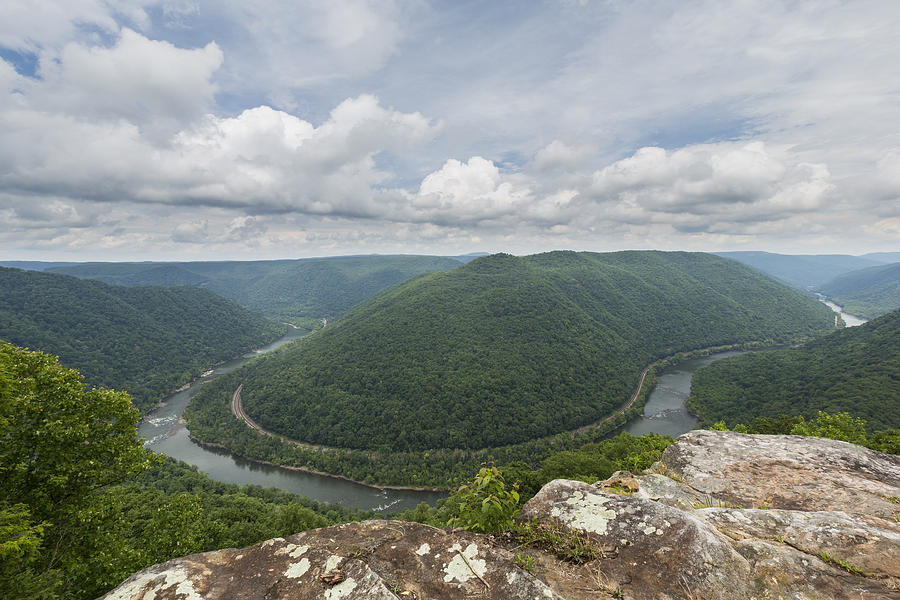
83	505
587	462
147	341
854	370
486	504
868	292
839	426
506	349
60	446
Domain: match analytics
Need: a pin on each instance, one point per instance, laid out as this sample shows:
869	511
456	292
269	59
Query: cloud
470	191
558	155
699	186
150	83
128	123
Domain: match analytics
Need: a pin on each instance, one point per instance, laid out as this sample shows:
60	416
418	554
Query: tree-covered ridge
506	349
145	340
802	270
867	293
855	370
286	289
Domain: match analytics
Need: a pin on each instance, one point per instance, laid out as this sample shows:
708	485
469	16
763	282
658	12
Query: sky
238	129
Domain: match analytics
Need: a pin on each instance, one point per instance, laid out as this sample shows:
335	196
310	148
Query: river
165	432
850	320
664	413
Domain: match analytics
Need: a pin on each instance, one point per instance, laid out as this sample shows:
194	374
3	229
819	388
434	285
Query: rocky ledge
722	516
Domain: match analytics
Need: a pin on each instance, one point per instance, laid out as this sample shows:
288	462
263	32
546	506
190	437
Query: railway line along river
165	432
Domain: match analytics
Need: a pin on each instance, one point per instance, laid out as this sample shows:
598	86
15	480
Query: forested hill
802	270
854	370
285	289
145	340
868	293
506	349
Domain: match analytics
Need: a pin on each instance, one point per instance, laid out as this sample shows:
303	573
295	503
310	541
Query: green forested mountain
506	349
802	270
854	370
145	340
868	293
313	287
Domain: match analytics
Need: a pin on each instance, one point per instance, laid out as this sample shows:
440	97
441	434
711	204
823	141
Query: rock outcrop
722	516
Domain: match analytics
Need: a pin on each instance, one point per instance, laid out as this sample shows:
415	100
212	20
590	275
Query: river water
850	320
664	413
165	432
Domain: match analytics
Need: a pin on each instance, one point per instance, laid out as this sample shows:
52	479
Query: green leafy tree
840	426
61	446
487	504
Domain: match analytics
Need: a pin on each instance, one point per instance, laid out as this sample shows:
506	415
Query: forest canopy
145	340
854	370
505	349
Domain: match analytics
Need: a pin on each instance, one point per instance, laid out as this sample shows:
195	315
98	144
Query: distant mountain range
145	340
867	286
804	271
868	292
505	349
284	289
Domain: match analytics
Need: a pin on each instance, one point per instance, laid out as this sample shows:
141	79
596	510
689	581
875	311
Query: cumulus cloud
699	186
127	122
474	190
143	81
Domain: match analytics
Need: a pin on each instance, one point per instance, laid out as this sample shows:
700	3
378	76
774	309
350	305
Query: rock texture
722	516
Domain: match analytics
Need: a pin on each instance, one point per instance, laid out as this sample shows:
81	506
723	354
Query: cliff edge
722	516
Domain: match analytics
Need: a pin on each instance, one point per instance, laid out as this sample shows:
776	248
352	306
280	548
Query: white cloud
712	182
558	155
470	191
146	82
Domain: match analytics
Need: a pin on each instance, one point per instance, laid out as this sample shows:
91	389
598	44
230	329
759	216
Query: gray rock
867	544
651	550
693	529
378	560
787	471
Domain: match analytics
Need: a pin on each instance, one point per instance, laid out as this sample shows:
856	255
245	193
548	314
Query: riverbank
436	469
398	488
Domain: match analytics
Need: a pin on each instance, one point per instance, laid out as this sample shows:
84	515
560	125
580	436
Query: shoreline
399	488
622	410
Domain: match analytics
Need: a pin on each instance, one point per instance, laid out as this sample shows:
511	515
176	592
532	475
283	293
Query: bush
486	505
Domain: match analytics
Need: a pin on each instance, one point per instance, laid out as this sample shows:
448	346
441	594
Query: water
665	412
165	432
850	320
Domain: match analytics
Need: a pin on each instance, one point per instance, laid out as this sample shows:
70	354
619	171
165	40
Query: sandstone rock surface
723	516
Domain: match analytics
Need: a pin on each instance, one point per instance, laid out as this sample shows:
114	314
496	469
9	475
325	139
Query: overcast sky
192	129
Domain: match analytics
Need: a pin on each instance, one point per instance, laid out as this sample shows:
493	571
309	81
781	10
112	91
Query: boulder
377	560
722	516
786	471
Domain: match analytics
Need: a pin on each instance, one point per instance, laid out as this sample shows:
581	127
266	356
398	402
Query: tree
61	446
